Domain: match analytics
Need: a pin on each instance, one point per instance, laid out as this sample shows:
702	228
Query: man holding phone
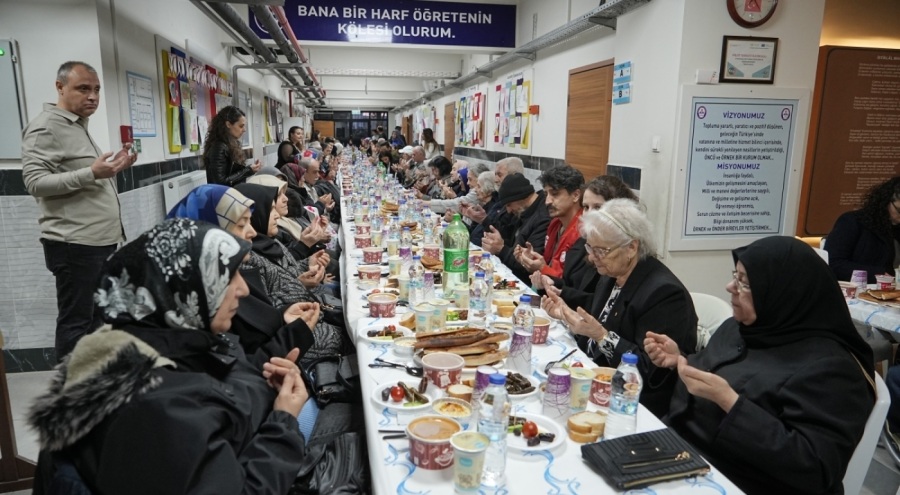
75	186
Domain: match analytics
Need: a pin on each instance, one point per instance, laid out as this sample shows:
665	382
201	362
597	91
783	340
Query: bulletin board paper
141	107
512	121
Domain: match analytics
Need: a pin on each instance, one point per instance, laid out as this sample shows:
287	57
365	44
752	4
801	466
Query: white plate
433	393
379	326
545	425
534	383
585	362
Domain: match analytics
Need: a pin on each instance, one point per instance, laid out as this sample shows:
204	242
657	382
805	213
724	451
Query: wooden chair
16	473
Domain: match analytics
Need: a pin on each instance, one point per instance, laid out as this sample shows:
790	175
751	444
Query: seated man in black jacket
521	200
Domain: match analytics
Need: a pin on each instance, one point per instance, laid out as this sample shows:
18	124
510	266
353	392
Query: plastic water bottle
456	256
394	232
487	266
428	291
403	211
493	421
406	247
623	404
427	226
478	301
416	281
523	318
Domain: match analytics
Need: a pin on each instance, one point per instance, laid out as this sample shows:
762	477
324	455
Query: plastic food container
382	305
429	441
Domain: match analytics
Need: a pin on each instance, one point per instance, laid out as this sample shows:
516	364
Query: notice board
854	139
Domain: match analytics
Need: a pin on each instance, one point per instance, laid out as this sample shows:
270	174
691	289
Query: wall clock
751	13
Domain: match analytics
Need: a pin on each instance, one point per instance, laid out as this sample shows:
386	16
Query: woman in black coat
223	157
164	400
636	294
780	397
869	238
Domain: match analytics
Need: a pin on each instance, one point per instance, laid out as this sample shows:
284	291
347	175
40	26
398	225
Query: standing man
75	187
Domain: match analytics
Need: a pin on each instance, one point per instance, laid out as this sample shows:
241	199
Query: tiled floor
883	477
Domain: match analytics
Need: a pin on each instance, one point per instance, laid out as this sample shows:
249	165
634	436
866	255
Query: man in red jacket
564	185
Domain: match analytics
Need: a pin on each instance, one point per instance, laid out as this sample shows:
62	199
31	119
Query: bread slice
583	437
587	422
460	391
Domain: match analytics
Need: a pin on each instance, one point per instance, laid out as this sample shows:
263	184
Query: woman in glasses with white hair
636	294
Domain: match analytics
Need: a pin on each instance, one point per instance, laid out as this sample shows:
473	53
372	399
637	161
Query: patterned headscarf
213	203
172	276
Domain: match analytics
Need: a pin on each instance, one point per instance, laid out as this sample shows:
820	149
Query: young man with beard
563	186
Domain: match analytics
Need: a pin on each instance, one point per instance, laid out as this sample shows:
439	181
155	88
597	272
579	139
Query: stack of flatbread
477	346
431	263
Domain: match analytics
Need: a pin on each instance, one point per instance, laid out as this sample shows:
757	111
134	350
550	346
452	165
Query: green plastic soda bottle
456	258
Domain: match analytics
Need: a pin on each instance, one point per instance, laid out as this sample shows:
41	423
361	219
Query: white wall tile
36	323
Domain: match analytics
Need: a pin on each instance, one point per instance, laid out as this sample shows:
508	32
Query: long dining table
555	470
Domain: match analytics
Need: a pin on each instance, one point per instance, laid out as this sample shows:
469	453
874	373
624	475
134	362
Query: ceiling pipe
606	14
269	22
286	27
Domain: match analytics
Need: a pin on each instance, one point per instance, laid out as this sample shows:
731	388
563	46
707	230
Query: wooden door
588	118
325	128
449	130
404	129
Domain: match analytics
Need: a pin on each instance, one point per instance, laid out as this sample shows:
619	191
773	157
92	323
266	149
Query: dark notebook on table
642	459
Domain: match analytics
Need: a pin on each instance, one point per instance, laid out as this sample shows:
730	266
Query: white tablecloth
557	471
874	315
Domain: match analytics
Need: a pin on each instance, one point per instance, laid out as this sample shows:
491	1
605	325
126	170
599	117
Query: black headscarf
796	297
172	276
264	199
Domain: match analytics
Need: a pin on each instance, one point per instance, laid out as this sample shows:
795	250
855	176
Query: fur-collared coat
151	410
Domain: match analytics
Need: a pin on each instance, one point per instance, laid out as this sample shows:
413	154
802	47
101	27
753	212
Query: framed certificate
748	60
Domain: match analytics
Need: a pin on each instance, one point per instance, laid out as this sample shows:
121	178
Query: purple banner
400	22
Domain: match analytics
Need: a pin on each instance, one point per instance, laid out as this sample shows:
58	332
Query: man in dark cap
520	199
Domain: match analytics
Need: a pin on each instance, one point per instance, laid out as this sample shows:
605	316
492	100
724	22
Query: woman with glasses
780	397
576	284
869	238
636	294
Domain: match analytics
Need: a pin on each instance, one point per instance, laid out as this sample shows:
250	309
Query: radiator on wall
178	187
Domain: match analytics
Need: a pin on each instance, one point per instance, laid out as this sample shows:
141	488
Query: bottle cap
416	257
629	358
525	299
486	256
479	274
497	379
405	228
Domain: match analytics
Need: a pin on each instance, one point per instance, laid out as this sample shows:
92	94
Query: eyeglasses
741	286
602	252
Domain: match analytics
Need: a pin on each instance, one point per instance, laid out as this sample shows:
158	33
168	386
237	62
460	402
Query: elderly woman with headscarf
257	320
163	400
636	294
780	397
280	274
302	237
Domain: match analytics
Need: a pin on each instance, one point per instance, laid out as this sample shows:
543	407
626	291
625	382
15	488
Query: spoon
554	363
412	370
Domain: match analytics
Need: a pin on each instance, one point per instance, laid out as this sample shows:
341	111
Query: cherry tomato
397	393
529	429
577	364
